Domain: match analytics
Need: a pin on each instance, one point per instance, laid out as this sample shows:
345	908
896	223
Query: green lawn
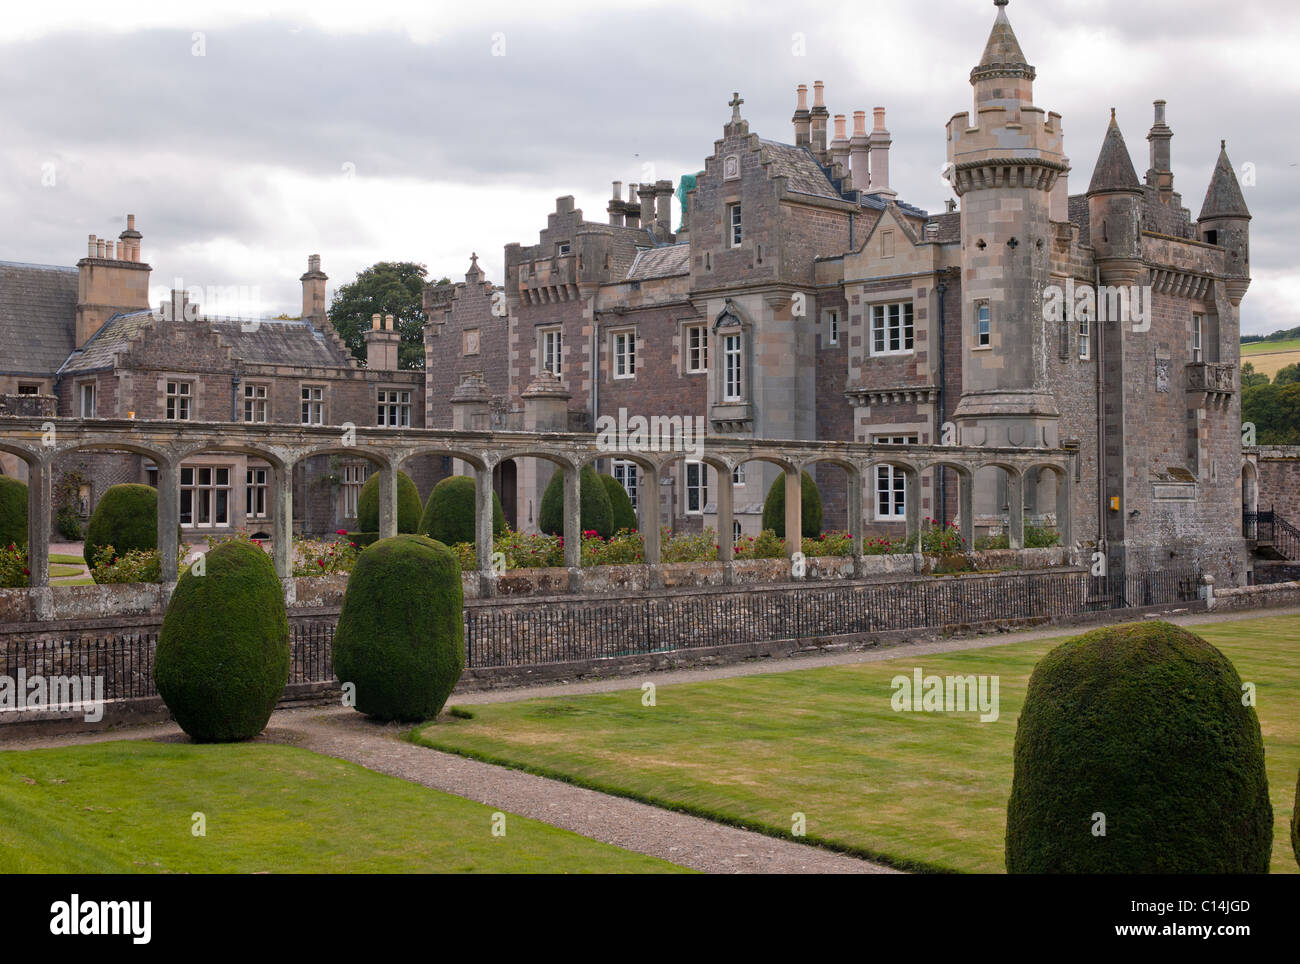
68	559
60	570
920	790
1262	347
126	807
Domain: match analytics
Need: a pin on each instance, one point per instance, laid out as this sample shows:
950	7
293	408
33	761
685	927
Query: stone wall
1279	480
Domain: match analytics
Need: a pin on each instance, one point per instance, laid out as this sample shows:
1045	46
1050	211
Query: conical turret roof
1224	198
1114	170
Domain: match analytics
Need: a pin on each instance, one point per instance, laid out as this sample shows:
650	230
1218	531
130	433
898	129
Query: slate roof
265	342
949	228
1224	198
1078	208
664	262
800	169
38	317
1114	170
1002	48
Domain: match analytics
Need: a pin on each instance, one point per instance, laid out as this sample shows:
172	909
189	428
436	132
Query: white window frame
735	225
550	350
257	396
563	249
626	473
354	476
833	327
622	351
696	338
733	367
86	397
695	488
1198	332
178	405
393	408
1085	338
893	328
313	404
983	325
738	475
257	492
205	496
890	483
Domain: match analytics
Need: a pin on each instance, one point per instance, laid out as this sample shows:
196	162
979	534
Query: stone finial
734	104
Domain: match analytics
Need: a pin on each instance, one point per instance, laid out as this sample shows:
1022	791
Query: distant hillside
1284	335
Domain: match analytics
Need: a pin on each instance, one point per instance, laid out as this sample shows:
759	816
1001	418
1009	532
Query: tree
1250	377
810	507
1275	412
1289	375
387	288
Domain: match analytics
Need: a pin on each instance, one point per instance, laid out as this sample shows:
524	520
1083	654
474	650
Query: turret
1115	210
1225	221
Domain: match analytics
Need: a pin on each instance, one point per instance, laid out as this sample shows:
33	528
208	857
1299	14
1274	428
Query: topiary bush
125	518
400	638
449	513
1144	724
223	653
596	514
620	504
13	512
774	507
409	505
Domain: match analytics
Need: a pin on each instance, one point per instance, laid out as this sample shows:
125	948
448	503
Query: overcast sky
246	135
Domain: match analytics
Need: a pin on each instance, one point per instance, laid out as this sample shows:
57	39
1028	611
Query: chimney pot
90	246
375	322
818	90
840	132
859	122
879	113
617	194
99	247
388	322
802	91
130	222
1160	111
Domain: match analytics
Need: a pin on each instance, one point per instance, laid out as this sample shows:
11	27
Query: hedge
400	639
13	512
126	518
1140	726
449	513
620	504
595	514
811	506
409	506
222	659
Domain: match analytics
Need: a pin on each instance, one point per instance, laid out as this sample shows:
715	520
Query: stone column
546	409
966	508
39	506
726	527
648	506
387	502
793	512
1064	513
853	495
169	517
282	520
912	504
1015	510
483	545
573	526
471	406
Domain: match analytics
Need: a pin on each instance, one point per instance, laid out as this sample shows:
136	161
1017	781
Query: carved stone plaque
730	167
1162	374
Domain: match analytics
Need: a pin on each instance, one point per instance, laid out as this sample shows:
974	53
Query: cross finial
1000	3
734	104
473	259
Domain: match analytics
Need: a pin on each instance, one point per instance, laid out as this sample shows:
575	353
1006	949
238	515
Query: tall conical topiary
409	506
126	518
810	506
400	639
13	512
222	659
449	513
620	504
1134	754
595	514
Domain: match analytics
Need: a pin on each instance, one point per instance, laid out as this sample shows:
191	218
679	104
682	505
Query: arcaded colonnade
41	441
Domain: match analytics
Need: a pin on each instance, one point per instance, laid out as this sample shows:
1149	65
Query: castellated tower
1005	163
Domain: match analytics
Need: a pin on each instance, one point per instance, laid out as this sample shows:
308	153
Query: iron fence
500	633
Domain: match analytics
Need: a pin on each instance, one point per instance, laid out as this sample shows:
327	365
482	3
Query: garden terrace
39	442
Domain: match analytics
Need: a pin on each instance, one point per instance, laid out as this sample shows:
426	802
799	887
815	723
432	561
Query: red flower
340	532
26	571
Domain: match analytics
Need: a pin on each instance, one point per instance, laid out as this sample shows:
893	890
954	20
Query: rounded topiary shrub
400	638
223	652
13	512
620	504
449	513
595	514
811	507
1142	726
409	505
126	518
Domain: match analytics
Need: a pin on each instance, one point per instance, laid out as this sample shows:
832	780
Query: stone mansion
799	298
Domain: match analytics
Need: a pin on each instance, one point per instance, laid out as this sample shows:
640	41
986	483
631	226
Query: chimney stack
802	118
839	150
646	192
382	342
859	145
615	208
313	292
664	210
819	115
1161	175
110	280
879	141
632	213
